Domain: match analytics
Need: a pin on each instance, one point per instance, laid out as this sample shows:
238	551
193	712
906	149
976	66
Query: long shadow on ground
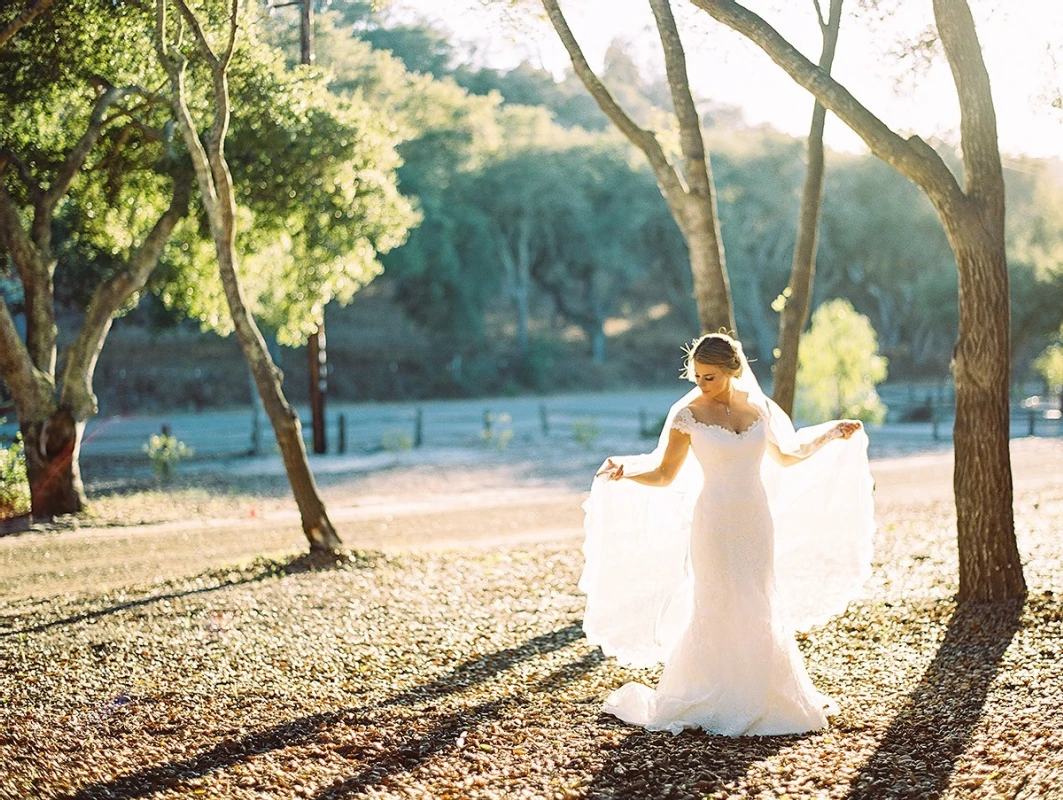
694	763
263	569
918	753
401	754
405	754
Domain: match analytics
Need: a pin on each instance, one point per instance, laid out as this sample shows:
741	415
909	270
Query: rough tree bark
973	219
219	202
52	410
798	301
689	193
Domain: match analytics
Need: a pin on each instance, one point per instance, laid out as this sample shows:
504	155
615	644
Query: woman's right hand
610	470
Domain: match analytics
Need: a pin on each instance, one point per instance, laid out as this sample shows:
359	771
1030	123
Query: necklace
727	403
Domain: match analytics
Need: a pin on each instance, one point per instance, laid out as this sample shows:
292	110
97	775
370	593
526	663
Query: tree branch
231	46
913	158
33	189
76	392
73	162
17	370
695	161
197	32
25	18
819	16
15	239
671	184
983	174
175	69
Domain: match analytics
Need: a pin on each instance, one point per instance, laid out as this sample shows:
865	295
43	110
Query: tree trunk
598	345
286	426
219	201
798	303
52	450
712	290
990	568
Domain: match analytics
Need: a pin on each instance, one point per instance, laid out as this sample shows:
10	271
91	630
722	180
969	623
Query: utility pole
315	346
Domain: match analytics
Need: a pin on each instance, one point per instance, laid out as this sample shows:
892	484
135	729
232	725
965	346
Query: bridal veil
637	575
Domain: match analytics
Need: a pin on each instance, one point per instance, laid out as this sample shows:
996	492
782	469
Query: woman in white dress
707	563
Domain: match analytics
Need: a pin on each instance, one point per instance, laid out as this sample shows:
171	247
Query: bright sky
1022	41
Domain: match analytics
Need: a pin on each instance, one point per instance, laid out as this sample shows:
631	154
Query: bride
709	563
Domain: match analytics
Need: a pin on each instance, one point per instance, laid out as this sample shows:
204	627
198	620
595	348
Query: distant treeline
546	257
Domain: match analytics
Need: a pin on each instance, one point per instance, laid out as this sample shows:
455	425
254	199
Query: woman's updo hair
717	350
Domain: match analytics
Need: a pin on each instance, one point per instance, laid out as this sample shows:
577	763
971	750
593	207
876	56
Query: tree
43	157
689	191
218	196
840	366
798	293
440	275
973	219
597	233
1050	365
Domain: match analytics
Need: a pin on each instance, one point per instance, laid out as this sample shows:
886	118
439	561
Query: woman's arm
674	454
843	430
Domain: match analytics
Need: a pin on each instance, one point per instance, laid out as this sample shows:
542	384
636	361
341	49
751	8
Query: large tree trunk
990	568
798	303
712	290
219	201
52	451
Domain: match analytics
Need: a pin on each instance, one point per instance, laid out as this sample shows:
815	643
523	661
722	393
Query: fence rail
633	417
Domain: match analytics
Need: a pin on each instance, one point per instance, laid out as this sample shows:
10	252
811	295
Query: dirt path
401	509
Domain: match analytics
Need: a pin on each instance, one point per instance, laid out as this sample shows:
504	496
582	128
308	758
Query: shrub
396	440
497	431
839	366
165	452
585	430
1050	365
14	485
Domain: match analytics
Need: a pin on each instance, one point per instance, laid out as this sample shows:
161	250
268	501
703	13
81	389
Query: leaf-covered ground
461	671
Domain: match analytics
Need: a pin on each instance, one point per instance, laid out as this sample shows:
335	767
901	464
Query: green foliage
585	430
1049	364
839	366
396	440
14	485
319	200
165	452
497	431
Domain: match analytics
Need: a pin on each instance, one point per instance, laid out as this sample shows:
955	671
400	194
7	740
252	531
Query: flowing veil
637	576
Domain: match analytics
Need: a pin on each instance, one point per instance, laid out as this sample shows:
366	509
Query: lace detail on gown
685	422
735	668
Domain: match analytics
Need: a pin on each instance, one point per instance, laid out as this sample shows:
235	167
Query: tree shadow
261	569
918	753
477	670
404	753
693	763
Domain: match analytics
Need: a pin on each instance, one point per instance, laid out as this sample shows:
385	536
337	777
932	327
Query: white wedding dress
687	574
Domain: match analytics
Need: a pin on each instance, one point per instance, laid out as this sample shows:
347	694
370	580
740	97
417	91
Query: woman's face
714	382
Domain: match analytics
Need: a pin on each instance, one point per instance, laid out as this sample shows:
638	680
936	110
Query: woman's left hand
847	427
611	470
